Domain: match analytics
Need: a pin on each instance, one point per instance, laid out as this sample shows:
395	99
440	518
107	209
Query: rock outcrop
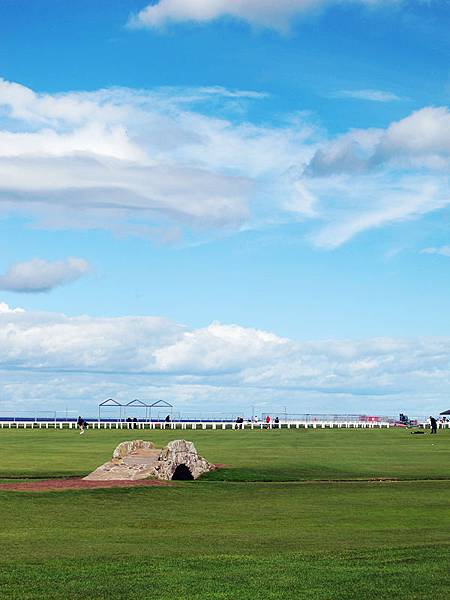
141	460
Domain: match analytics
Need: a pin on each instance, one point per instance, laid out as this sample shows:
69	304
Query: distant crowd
266	423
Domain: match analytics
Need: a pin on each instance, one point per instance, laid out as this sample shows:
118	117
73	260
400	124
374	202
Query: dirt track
76	483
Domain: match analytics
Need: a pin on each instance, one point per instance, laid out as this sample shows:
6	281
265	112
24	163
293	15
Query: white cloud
370	95
220	348
420	140
55	341
173	162
125	159
52	360
442	250
374	201
38	275
262	13
375	177
4	309
424	135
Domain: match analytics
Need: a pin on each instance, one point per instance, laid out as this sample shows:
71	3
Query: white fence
214	425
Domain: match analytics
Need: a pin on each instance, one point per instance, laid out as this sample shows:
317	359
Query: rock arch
177	453
137	459
182	473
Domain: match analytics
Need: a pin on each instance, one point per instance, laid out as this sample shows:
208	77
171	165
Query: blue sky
268	180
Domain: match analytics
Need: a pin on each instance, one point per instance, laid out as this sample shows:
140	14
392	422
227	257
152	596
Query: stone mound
137	459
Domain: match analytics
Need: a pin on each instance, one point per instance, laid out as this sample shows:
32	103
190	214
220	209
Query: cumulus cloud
420	140
262	13
4	308
46	355
374	177
134	344
179	162
38	275
220	348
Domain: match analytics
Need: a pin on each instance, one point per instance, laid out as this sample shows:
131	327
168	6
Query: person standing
268	421
433	423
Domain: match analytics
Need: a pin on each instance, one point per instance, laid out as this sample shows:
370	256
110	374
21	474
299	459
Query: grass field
293	515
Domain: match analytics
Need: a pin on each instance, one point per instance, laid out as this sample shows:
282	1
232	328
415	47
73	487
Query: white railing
210	425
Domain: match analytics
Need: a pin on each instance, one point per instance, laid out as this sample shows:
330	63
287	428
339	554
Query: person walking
433	423
80	423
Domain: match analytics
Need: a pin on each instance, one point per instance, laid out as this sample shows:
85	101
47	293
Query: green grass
240	537
286	455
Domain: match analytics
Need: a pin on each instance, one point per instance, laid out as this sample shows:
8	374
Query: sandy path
76	483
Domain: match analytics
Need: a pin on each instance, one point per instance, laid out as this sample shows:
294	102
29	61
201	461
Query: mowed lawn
263	527
274	455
